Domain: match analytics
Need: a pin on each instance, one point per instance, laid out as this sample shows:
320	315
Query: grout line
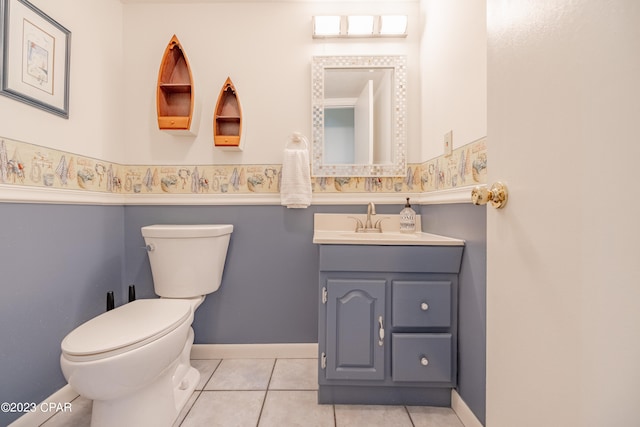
264	399
191	407
273	368
204	386
410	417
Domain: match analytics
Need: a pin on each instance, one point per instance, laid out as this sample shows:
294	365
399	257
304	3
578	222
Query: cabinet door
355	329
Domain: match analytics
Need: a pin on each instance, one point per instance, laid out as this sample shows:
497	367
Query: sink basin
338	229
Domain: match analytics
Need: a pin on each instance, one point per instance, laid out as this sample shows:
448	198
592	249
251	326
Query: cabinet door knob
380	331
424	306
424	361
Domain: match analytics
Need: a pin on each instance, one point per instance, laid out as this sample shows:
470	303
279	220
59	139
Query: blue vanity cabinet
387	330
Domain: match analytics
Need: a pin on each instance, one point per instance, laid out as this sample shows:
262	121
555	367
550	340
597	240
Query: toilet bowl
133	361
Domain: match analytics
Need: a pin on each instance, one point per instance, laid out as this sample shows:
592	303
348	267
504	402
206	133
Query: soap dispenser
407	219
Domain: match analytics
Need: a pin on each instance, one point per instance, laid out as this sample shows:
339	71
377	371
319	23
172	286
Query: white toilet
133	361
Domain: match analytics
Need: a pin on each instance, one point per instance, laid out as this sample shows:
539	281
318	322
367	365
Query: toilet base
182	395
156	405
152	406
185	377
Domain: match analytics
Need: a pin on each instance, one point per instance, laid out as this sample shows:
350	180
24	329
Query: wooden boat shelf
175	94
227	120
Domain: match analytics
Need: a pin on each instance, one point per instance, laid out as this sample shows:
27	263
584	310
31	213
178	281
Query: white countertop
339	229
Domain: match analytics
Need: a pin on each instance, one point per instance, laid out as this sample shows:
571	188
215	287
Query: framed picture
34	61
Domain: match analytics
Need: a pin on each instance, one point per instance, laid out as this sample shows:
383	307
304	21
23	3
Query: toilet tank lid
186	230
138	321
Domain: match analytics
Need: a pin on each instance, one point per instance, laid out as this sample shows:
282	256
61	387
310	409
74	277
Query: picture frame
34	57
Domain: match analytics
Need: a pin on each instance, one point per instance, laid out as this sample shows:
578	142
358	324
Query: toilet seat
125	328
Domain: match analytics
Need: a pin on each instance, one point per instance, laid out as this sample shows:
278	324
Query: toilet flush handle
150	247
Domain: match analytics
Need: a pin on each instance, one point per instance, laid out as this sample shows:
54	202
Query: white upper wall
266	49
95	127
453	64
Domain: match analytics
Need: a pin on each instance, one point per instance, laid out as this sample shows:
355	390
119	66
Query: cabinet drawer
421	304
421	357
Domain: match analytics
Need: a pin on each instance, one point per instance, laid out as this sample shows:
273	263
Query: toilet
134	361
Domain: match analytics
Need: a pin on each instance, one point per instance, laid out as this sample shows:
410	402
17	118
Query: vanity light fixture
328	26
360	25
393	25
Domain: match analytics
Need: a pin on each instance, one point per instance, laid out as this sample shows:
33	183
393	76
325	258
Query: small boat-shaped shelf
227	119
175	98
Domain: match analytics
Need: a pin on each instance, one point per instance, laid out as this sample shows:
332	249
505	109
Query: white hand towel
295	187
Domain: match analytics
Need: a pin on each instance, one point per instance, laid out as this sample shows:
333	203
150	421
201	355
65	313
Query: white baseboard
463	412
255	351
46	409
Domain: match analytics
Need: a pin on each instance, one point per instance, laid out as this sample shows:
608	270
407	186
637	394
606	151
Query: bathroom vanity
387	327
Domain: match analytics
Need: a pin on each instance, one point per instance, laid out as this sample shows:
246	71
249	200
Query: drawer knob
424	361
424	306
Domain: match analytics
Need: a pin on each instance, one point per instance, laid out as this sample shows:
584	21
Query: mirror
359	115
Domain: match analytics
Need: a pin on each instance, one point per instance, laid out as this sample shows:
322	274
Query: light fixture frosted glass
360	25
393	24
326	25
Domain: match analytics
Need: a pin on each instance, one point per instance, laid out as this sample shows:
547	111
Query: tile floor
272	392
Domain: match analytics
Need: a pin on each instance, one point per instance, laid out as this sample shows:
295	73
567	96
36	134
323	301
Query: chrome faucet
369	226
371	210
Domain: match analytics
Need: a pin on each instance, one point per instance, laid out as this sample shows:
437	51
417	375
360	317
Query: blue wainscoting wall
57	263
468	222
270	283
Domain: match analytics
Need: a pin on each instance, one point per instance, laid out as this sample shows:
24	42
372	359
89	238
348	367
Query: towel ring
297	138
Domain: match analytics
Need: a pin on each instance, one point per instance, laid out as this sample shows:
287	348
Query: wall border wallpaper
28	165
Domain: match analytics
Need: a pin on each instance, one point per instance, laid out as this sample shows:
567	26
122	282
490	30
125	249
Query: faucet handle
359	224
379	223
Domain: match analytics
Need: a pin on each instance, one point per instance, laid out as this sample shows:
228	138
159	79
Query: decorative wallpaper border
28	165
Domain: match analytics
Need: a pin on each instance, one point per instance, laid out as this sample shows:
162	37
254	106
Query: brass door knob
497	195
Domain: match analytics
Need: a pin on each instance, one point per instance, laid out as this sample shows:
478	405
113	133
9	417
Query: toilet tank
187	260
